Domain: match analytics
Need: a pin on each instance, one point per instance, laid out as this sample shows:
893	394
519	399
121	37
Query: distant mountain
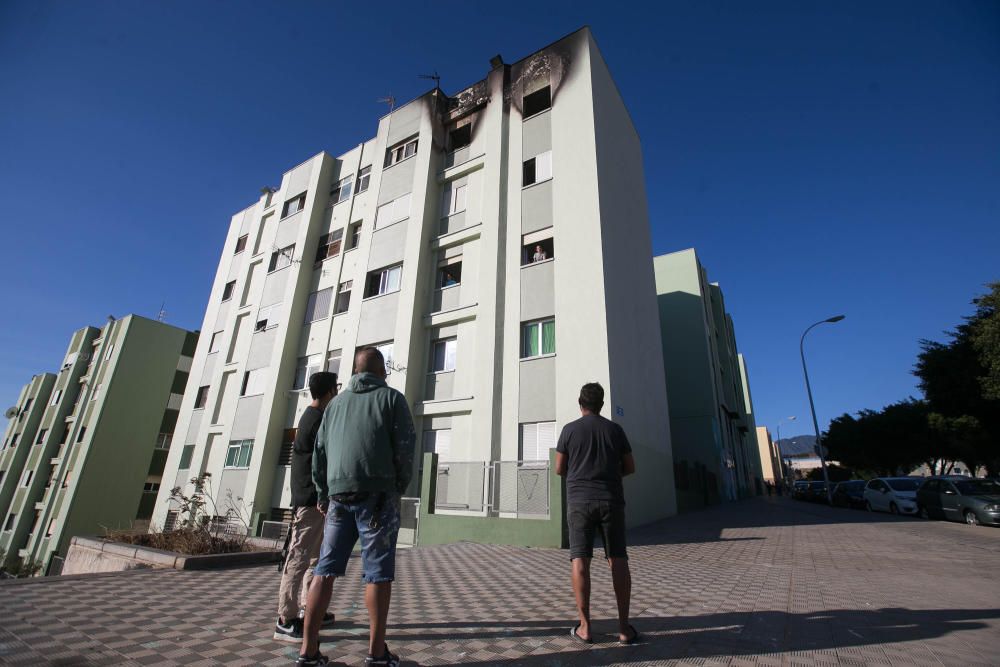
800	445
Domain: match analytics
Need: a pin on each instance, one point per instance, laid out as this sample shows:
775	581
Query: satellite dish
11	412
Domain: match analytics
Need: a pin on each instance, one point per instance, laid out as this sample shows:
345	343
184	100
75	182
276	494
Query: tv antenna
11	412
435	77
161	316
388	99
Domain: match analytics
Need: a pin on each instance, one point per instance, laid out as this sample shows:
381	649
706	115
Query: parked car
897	495
973	501
816	492
799	489
850	494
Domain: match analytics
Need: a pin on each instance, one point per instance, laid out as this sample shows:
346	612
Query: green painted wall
445	528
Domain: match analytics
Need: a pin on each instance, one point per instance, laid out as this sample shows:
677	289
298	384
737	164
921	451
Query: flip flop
572	632
633	639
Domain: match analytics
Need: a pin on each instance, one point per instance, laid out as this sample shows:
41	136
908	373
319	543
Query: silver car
973	501
897	495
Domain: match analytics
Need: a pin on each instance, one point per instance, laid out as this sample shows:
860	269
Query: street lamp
812	408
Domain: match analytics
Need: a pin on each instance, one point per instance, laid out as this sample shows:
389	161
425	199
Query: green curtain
529	346
549	337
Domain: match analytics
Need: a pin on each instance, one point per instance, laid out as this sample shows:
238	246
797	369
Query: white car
897	495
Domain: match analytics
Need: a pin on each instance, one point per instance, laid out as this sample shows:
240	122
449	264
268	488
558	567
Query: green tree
893	440
984	330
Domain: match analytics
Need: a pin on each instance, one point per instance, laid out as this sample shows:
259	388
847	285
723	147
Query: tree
984	330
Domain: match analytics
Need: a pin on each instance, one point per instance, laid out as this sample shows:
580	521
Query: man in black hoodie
306	531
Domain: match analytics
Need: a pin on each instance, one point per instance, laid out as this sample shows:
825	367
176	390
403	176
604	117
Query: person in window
539	255
306	532
448	279
593	455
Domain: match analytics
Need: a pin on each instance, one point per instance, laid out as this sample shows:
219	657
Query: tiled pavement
767	581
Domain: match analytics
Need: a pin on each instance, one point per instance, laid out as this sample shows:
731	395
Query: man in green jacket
361	466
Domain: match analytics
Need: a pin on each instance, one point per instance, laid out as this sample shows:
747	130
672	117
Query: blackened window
538	101
460	137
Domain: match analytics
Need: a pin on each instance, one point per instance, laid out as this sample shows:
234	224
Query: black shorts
588	518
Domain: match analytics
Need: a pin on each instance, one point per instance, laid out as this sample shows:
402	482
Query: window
239	453
364	176
460	137
537	169
267	317
293	205
201	398
394	211
333	361
41	436
66	479
353	235
304	369
241	244
216	342
537	247
65	434
343	297
438	442
287	447
318	307
26	479
97	391
536	440
150	487
443	355
227	291
253	382
9	524
383	281
111	349
537	102
13	441
400	152
56	395
171	521
48	531
281	258
163	440
450	274
341	191
453	199
186	454
386	350
329	245
538	338
82	432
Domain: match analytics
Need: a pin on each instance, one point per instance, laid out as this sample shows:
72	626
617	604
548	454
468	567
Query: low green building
711	412
87	446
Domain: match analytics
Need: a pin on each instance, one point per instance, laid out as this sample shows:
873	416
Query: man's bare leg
377	598
581	589
621	578
320	592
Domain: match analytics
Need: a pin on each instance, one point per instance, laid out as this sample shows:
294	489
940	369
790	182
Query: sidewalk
768	581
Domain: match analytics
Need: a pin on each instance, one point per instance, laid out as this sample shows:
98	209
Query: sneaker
288	632
387	659
313	660
328	619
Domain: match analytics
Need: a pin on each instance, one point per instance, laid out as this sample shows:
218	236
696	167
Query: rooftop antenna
433	77
390	100
161	316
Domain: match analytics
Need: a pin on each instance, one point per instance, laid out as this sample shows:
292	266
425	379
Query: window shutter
529	442
543	166
546	439
401	208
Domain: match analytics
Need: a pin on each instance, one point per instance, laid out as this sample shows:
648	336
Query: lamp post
812	408
778	442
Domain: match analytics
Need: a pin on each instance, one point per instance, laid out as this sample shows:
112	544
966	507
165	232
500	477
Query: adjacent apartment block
493	243
88	444
711	412
770	457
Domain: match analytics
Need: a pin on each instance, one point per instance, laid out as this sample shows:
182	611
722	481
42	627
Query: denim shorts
345	523
586	519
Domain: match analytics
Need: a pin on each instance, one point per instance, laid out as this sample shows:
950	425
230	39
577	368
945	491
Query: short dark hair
592	397
322	383
368	359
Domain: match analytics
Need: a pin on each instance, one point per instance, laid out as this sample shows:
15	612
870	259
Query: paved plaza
767	581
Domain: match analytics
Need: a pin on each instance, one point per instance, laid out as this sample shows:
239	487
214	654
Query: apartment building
711	411
770	457
493	243
94	438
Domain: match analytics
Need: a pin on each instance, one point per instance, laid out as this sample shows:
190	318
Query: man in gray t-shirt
594	454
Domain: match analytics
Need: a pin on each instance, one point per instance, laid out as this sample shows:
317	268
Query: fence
409	517
461	486
521	488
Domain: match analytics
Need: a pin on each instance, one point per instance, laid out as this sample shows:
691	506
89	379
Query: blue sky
823	157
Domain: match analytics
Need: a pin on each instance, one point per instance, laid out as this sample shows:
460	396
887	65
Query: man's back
594	447
365	442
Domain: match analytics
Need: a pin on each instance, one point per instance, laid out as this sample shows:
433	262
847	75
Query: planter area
92	554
